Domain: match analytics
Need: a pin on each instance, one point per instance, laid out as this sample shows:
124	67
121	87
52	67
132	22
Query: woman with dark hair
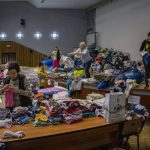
145	49
42	75
18	85
56	58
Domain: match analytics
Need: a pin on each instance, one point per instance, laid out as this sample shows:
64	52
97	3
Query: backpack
24	100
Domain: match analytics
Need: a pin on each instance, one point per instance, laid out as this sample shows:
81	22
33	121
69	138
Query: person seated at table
83	53
17	84
42	75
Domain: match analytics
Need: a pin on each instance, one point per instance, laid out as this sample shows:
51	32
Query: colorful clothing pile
21	115
71	111
5	118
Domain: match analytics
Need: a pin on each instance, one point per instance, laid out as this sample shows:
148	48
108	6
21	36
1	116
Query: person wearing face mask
17	85
83	53
145	49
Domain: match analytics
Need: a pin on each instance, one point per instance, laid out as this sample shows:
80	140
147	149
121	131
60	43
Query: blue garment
87	66
68	83
134	75
146	59
47	62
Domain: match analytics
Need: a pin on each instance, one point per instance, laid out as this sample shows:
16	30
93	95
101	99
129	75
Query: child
42	74
56	58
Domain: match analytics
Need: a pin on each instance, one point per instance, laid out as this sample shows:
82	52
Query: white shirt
84	55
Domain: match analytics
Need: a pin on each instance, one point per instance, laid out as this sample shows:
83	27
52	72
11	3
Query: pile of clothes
71	111
116	66
137	109
22	115
31	75
5	118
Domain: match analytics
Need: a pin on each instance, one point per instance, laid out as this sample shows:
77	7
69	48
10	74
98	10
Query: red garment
56	64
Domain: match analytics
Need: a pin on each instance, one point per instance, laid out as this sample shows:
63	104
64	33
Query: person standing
56	58
83	53
145	49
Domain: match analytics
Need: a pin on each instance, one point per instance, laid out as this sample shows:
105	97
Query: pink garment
55	64
9	100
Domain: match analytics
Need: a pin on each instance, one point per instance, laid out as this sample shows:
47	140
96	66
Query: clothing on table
22	90
21	115
51	91
76	85
60	95
10	134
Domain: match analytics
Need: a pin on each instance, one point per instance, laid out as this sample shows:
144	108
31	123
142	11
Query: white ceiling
62	4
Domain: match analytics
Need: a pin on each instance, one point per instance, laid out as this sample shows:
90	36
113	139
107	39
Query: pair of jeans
147	72
87	66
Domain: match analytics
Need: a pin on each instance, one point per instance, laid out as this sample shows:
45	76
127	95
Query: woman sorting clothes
56	58
16	88
83	53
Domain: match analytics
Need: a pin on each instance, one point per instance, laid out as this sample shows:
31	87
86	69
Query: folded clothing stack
71	111
51	91
94	96
21	115
5	118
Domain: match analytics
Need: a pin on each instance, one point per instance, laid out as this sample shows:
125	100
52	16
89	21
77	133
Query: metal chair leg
138	142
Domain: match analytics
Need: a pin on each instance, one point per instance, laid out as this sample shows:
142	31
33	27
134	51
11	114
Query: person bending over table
16	87
83	53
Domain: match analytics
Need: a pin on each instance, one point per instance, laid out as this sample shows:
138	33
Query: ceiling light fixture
38	35
19	35
54	35
3	36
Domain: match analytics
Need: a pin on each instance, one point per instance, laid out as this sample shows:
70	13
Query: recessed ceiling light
54	35
38	35
3	36
19	35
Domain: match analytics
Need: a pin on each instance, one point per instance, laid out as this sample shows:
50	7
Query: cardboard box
115	107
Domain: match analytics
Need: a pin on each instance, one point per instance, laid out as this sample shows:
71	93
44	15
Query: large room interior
74	74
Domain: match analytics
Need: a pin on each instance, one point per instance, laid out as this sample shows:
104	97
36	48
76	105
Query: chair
132	128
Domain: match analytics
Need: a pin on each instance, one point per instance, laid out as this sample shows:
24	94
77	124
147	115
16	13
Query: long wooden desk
141	91
89	133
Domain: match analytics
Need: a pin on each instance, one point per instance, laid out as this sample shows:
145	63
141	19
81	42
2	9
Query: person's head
41	64
13	69
82	45
148	36
56	48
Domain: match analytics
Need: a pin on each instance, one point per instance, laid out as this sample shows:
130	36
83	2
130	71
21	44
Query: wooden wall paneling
24	55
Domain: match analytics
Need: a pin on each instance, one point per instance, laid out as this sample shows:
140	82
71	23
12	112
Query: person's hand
6	87
14	90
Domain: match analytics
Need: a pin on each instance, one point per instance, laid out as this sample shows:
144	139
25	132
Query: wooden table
140	90
89	133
